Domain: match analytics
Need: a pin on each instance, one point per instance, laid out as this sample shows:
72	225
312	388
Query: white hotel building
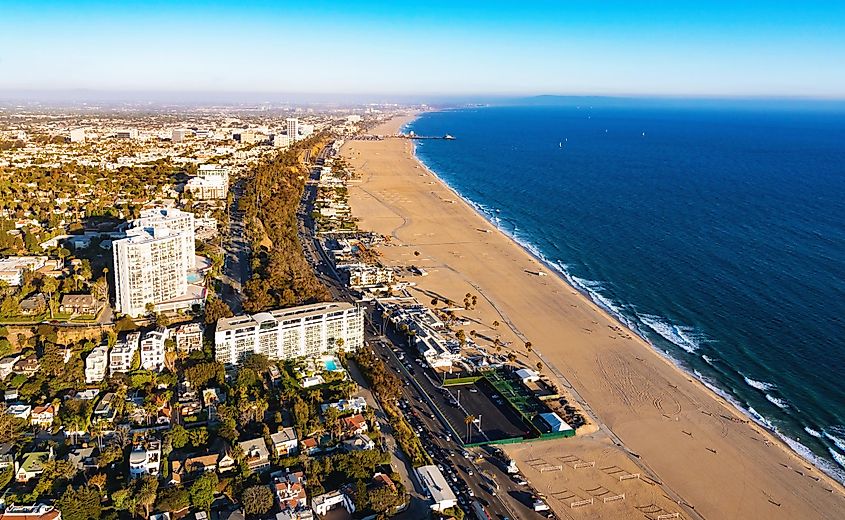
306	331
151	264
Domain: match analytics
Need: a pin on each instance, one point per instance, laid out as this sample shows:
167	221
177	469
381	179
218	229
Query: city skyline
439	49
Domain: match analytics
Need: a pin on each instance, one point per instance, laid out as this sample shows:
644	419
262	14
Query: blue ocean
717	233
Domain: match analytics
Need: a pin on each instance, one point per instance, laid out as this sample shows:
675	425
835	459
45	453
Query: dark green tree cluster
281	274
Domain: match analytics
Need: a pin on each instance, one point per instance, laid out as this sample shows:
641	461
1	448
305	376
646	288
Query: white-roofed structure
435	483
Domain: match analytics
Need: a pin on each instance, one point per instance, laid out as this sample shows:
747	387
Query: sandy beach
695	453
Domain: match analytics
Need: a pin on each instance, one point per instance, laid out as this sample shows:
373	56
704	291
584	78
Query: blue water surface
717	234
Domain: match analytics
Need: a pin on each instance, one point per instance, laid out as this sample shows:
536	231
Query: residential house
310	446
21	411
256	454
32	465
182	470
290	491
80	304
27	366
359	442
344	406
354	425
326	502
43	415
104	411
31	305
145	459
7	455
7	364
284	442
84	458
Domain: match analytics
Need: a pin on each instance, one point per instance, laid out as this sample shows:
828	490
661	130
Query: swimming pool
330	364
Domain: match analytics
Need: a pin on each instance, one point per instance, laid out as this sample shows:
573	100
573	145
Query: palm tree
528	346
468	420
539	366
496	324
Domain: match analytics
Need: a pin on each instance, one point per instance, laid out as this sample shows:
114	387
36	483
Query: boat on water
448	137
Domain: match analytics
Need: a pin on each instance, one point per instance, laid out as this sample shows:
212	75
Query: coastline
794	447
644	430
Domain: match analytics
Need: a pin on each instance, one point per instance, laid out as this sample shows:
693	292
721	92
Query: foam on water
838	457
836	439
679	335
707	359
813	432
759	385
777	401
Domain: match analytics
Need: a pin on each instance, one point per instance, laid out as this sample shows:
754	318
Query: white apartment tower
293	129
306	331
151	264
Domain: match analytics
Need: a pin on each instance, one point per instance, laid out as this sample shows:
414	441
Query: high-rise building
178	135
151	264
293	129
305	331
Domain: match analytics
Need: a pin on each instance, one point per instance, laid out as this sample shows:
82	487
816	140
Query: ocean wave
680	335
759	385
836	439
838	457
761	419
707	359
777	401
813	432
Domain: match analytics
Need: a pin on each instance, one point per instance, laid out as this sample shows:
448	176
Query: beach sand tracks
655	512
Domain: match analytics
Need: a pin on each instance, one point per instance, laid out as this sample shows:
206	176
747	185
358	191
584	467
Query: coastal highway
501	497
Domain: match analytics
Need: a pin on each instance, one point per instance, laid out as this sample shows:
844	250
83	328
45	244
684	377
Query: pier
412	135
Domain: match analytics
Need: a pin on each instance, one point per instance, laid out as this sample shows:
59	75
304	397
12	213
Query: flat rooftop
303	311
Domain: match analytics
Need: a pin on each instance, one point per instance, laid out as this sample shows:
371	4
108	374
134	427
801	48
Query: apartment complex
120	357
96	364
305	331
188	337
211	182
152	349
151	264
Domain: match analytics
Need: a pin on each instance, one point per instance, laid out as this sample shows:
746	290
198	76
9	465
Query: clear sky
687	48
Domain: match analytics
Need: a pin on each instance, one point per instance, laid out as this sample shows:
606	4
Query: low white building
12	268
435	484
526	375
285	442
326	502
153	349
145	460
33	512
202	188
96	364
344	406
121	356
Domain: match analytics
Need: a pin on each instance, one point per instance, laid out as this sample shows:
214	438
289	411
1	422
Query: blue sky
596	47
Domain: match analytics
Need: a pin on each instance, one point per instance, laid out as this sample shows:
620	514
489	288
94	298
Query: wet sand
697	455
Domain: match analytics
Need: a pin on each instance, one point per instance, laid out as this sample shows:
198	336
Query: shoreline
609	416
830	469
